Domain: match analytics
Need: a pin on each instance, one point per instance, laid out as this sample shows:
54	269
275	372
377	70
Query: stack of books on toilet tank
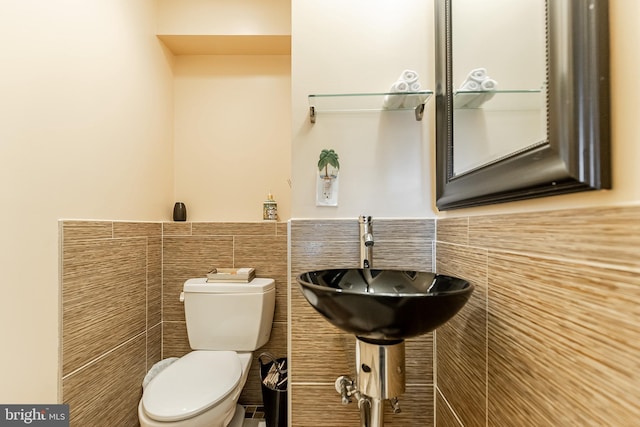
243	275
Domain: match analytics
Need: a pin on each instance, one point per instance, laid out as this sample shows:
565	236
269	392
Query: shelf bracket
312	114
419	112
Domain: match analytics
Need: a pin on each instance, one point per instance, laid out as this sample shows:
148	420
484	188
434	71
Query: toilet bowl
225	322
201	389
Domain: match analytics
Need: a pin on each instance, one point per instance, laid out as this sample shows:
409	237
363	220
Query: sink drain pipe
380	376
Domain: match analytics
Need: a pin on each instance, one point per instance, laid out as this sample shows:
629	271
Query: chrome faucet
366	241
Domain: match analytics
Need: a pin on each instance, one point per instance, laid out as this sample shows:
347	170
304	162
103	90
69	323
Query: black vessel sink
384	305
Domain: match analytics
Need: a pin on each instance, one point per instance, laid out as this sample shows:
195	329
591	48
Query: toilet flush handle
181	296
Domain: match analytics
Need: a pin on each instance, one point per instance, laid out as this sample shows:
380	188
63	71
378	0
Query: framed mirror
522	99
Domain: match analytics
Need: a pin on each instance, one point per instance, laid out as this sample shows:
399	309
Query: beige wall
352	47
86	133
232	142
238	17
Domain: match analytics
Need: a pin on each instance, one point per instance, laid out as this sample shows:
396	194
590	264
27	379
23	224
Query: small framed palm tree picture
327	178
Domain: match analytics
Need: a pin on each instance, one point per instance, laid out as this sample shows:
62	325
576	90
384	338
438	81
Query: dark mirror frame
576	156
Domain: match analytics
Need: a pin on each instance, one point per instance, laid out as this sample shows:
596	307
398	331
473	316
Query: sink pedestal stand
380	370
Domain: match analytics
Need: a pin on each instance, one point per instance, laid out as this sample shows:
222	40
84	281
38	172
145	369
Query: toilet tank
229	315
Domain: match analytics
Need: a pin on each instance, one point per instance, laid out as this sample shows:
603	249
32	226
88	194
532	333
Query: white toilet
225	323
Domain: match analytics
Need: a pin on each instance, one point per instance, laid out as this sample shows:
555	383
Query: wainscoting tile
106	392
176	229
325	230
319	351
282	229
234	228
268	255
309	255
154	281
153	232
462	342
103	297
154	345
403	255
563	338
444	416
417	408
319	405
175	341
123	229
86	230
403	230
188	257
609	235
453	230
419	360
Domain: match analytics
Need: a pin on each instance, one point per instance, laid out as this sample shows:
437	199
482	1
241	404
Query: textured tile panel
189	257
462	342
175	341
320	406
106	393
176	229
563	343
417	408
319	351
234	228
103	297
603	235
268	255
325	230
308	256
402	229
282	228
154	281
154	345
137	229
407	255
419	360
453	230
444	416
85	230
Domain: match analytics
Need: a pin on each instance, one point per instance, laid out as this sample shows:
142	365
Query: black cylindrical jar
179	212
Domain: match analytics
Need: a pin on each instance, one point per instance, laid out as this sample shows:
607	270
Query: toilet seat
192	385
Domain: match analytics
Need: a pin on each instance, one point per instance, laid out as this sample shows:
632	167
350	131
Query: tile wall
320	352
121	313
111	317
551	335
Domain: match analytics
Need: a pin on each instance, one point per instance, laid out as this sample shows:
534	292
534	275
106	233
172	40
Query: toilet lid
191	385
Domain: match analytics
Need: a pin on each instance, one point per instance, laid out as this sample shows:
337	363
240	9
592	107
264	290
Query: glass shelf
501	100
358	102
